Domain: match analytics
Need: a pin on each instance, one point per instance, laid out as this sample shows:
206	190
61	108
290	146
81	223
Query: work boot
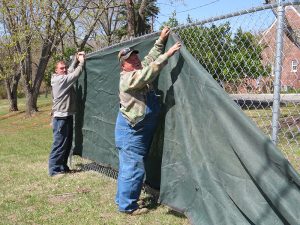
141	203
139	211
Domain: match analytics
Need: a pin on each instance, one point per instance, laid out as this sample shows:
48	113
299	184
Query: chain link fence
254	55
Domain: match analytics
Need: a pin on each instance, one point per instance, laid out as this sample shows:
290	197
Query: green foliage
189	19
172	21
290	90
225	55
10	60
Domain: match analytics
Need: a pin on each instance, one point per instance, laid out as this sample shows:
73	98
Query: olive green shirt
134	85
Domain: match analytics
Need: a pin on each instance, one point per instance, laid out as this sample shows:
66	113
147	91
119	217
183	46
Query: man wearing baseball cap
125	53
137	118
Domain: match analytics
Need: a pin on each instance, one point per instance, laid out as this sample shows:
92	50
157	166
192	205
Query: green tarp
208	158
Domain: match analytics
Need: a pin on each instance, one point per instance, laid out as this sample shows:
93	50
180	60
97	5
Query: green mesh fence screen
209	160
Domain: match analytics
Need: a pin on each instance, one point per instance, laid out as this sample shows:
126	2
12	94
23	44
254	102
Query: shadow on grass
152	195
93	166
75	171
11	114
175	213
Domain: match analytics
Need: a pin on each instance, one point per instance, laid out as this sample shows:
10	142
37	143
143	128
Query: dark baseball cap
125	53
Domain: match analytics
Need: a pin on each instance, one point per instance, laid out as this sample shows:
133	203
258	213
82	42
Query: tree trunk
29	103
141	23
26	66
130	18
34	100
46	91
32	91
11	86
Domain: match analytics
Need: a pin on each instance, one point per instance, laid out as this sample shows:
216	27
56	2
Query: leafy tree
172	21
140	14
225	55
35	28
112	23
10	70
147	10
246	55
41	28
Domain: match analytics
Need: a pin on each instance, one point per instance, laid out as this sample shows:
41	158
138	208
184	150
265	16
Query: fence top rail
201	22
239	13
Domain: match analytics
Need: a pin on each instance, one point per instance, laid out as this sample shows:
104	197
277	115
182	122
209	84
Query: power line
167	15
210	3
199	6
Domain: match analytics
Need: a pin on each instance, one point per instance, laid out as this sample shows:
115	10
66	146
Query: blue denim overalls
133	144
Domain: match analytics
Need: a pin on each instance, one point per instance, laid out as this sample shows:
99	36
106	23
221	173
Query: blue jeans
133	144
62	144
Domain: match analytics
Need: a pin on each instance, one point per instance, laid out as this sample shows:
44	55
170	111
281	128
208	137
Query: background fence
254	55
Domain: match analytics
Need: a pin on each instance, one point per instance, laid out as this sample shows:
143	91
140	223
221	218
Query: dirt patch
11	114
13	218
62	198
67	197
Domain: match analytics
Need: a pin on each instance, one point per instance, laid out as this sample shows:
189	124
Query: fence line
239	13
239	60
252	59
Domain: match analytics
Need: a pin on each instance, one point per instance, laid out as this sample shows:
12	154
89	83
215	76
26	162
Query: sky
200	9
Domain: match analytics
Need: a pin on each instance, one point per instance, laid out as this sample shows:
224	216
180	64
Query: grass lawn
29	196
42	102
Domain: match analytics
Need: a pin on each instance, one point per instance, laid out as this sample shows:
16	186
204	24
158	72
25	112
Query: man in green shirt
137	118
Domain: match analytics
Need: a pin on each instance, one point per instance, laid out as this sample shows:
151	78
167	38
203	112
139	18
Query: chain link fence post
278	70
254	55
